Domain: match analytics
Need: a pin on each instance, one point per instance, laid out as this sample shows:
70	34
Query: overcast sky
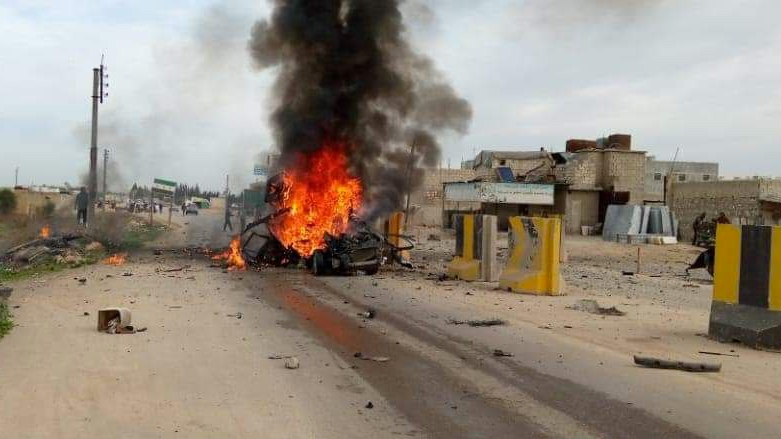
184	102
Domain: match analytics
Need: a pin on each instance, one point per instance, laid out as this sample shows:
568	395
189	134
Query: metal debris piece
718	353
478	323
369	314
375	359
501	353
171	270
292	363
658	363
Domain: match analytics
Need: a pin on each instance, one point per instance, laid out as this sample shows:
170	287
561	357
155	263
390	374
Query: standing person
184	209
227	220
698	222
82	203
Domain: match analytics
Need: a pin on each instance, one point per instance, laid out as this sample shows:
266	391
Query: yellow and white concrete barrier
475	256
533	265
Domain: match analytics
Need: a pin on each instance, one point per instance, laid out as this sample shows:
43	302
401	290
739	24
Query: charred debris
358	249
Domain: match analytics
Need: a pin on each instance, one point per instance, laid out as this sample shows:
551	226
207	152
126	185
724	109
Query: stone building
521	163
597	178
656	171
585	182
427	202
754	201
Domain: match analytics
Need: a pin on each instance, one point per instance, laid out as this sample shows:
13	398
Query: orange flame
117	259
232	255
45	232
320	194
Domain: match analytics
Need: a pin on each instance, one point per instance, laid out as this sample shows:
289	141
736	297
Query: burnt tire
371	271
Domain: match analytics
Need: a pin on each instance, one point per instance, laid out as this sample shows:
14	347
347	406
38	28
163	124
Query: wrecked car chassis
361	249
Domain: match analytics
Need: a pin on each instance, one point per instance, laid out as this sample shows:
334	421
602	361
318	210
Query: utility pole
410	168
97	98
105	166
227	193
16	177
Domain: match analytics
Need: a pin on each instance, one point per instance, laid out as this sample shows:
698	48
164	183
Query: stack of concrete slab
633	224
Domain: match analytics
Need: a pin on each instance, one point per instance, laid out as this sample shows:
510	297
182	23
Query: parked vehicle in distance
191	209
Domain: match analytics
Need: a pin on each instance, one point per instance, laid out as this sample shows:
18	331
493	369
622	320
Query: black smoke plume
346	72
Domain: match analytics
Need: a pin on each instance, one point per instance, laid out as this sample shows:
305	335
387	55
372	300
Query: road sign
164	187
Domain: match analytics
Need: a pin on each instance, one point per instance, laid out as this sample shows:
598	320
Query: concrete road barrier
394	230
746	303
475	256
533	265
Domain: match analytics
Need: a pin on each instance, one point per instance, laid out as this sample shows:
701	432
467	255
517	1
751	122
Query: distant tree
7	201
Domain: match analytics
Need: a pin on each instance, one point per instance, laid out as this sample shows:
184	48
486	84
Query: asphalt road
201	371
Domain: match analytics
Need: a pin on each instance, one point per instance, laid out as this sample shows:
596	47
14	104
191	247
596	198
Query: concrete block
489	271
475	253
533	266
747	286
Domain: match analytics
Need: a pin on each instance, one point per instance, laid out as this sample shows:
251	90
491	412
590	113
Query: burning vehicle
357	112
322	232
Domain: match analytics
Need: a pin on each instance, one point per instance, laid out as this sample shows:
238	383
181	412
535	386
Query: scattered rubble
369	314
292	363
172	270
592	306
501	353
360	355
94	246
658	363
478	323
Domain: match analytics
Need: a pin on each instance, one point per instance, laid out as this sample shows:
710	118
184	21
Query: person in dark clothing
227	224
722	219
698	222
82	203
184	209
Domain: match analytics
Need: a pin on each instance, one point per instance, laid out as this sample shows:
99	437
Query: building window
681	177
705	177
657	176
502	162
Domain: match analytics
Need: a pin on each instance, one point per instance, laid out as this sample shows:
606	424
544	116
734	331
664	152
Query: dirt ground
200	371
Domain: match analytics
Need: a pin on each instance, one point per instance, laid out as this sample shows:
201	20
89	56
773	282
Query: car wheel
371	271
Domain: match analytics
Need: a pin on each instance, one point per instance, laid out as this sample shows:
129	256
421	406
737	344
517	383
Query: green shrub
7	201
5	320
